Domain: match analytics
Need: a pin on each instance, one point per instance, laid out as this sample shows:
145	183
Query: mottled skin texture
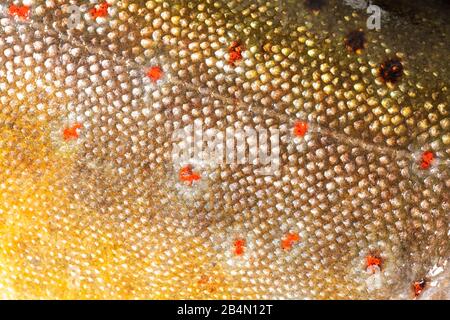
104	215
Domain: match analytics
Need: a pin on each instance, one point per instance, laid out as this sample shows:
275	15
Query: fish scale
104	213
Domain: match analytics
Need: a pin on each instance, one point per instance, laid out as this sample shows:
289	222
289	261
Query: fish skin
104	215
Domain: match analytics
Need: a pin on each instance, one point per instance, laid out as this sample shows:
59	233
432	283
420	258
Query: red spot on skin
239	245
155	73
427	160
187	175
289	241
418	287
22	12
300	128
235	52
372	263
100	10
71	133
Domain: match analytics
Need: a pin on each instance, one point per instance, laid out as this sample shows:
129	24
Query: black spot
391	70
355	41
315	5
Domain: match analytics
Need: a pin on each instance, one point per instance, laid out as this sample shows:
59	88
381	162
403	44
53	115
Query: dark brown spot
391	70
355	41
315	5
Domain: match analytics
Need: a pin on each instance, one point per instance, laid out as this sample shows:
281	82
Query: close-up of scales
224	149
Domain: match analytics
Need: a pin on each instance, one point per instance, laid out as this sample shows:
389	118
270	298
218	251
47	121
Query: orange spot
235	52
22	12
71	133
203	279
155	73
239	245
372	262
300	128
418	287
100	10
205	282
187	175
287	243
427	160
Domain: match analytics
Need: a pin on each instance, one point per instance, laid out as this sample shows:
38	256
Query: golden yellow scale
92	205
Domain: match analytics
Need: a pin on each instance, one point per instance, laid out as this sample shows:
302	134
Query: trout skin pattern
92	205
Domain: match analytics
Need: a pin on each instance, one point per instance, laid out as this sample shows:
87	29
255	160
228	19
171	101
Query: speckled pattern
92	207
